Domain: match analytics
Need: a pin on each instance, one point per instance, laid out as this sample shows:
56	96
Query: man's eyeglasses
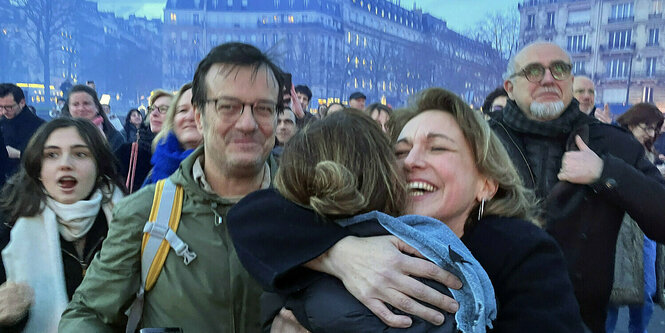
535	72
162	109
8	107
230	110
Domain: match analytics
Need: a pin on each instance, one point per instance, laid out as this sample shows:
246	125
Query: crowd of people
230	207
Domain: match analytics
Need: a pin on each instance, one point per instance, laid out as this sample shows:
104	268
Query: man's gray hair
510	69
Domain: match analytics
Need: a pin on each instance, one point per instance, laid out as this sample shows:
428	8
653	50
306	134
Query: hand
15	300
13	152
580	167
295	103
605	115
286	322
376	270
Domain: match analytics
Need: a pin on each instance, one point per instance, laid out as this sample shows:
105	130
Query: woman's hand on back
379	270
15	300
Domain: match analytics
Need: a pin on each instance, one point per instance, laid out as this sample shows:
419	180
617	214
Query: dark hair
318	169
379	107
487	105
23	193
304	90
128	118
643	113
107	126
10	88
236	55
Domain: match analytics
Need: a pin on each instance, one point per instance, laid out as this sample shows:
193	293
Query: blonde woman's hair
167	126
342	165
512	198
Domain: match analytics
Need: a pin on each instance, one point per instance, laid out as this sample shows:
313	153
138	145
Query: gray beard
547	111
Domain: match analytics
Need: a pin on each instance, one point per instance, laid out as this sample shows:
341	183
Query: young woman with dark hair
55	214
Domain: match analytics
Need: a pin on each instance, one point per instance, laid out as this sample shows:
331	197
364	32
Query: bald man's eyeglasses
536	72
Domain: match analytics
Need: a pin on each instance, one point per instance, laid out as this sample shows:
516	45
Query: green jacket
213	293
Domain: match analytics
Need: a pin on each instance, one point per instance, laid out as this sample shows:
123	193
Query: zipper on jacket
85	261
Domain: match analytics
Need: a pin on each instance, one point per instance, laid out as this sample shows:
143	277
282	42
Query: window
550	20
622	12
576	43
647	94
530	21
578	67
653	36
619	39
651	66
195	19
579	17
229	3
656	6
617	68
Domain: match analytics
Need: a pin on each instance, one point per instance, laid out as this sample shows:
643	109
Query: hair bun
335	190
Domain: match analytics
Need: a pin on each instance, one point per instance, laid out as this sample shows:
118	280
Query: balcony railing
621	19
580	50
617	48
655	16
578	24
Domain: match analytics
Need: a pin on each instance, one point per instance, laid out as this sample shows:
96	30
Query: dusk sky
460	14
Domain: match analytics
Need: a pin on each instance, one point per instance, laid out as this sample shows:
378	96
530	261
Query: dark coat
143	166
4	161
17	132
585	219
73	268
525	265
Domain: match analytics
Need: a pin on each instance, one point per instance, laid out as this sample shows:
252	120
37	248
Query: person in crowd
585	92
134	157
357	100
304	95
335	182
91	84
113	118
636	262
588	174
56	212
133	122
236	95
495	101
17	124
334	107
286	129
458	172
381	114
322	111
82	102
177	139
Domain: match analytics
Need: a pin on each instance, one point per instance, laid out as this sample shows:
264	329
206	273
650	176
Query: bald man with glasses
587	173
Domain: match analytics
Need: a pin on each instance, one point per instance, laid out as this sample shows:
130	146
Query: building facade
335	47
614	42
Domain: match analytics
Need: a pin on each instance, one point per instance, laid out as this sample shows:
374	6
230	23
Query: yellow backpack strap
159	235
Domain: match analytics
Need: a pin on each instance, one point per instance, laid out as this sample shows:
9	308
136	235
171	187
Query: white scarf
75	220
33	256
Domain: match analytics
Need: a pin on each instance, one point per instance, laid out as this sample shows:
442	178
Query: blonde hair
342	165
167	126
512	198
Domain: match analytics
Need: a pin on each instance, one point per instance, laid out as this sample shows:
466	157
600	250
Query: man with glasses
587	173
17	124
585	93
236	93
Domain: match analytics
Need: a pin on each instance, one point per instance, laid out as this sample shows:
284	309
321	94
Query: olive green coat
213	293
